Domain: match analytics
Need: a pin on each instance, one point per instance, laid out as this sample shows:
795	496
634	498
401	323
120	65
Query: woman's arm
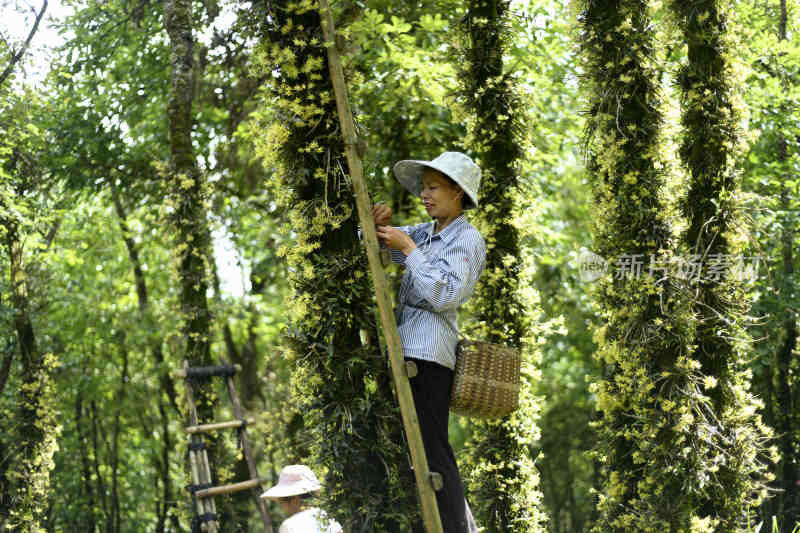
382	215
399	239
447	281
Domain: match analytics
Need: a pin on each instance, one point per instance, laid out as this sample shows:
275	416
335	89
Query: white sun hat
455	165
293	481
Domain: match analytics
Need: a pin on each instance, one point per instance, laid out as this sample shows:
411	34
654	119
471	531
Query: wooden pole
206	428
229	489
238	411
430	510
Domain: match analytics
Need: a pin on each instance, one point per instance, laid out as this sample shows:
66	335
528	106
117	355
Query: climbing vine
351	427
503	481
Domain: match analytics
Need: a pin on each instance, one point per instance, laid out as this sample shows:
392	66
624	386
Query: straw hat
455	165
293	481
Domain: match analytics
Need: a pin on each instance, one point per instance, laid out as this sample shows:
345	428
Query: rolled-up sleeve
447	281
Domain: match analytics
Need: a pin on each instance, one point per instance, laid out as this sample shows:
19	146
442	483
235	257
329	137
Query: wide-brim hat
455	165
293	481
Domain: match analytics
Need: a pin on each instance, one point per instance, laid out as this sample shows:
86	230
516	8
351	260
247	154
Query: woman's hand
395	239
382	214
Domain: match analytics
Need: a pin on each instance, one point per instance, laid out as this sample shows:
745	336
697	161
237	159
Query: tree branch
16	57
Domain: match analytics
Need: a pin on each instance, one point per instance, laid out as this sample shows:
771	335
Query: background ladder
202	489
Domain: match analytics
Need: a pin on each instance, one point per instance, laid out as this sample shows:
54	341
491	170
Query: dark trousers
431	390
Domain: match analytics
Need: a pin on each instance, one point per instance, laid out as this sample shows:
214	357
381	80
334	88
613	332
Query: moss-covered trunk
31	433
187	206
655	449
351	426
503	483
187	187
714	237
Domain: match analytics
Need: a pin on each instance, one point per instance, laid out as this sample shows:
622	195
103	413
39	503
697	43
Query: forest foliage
150	214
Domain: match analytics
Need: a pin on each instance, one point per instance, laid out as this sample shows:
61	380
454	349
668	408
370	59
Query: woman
443	260
296	486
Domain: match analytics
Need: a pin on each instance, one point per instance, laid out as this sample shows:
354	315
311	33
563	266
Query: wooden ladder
202	489
427	482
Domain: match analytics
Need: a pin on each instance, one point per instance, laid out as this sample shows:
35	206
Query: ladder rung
437	481
207	371
204	428
411	369
228	489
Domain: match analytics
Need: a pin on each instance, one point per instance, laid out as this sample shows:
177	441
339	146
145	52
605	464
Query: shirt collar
448	233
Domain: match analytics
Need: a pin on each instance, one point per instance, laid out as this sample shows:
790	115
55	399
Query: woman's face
290	505
441	198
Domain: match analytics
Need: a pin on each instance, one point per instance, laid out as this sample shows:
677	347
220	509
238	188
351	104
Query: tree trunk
504	484
35	426
647	482
116	519
188	188
344	394
720	304
97	452
163	508
187	203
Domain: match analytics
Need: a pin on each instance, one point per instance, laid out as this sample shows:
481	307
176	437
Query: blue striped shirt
440	276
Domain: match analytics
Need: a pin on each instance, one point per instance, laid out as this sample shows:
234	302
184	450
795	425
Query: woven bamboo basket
486	382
